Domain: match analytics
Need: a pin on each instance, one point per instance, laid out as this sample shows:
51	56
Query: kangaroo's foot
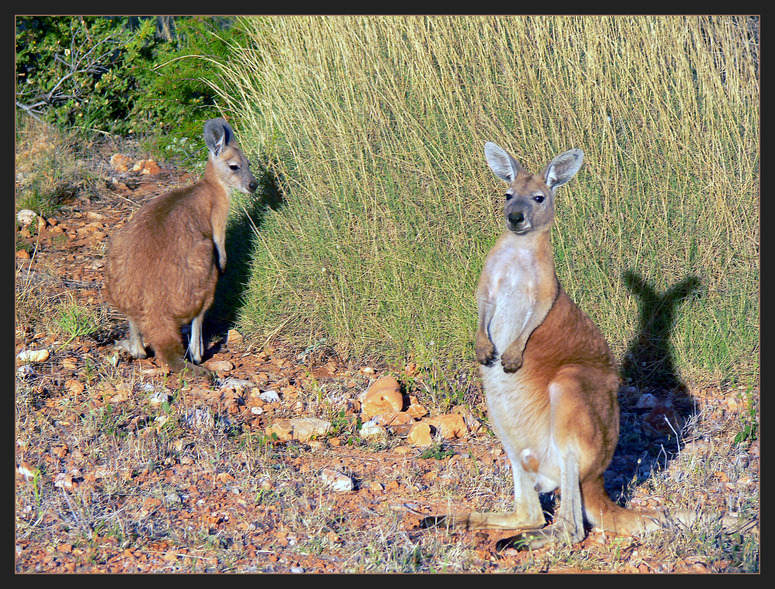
131	347
559	531
484	521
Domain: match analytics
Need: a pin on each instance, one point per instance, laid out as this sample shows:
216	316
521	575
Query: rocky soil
292	461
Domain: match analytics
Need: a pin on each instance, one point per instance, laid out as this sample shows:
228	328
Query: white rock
27	471
33	355
269	397
159	398
25	370
26	216
646	401
199	418
235	383
336	480
63	480
305	428
372	429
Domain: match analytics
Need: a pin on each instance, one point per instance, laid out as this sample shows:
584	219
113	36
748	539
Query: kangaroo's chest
513	289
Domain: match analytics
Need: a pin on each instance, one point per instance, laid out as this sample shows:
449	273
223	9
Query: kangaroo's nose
516	218
253	185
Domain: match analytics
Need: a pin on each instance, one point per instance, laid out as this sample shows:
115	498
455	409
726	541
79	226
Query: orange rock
75	387
415	409
385	382
60	451
382	397
397	422
282	429
147	167
120	162
301	429
420	434
450	425
219	365
395	418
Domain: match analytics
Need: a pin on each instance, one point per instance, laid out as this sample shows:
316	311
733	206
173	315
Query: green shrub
118	75
179	94
77	71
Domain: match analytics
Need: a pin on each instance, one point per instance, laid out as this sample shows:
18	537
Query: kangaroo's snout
249	186
516	221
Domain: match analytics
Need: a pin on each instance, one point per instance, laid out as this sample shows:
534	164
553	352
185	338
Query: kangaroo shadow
240	243
654	401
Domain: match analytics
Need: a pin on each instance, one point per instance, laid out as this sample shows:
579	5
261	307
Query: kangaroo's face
231	166
233	169
529	204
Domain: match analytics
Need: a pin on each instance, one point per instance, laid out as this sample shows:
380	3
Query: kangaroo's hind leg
196	341
133	344
164	337
583	452
527	514
568	525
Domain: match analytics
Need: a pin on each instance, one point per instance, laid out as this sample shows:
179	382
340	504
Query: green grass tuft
374	127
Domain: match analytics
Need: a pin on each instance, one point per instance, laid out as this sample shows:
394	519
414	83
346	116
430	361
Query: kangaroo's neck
534	247
213	182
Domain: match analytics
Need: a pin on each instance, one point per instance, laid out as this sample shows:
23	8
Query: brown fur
163	265
549	377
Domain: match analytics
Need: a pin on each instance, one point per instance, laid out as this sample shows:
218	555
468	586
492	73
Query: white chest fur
512	288
514	302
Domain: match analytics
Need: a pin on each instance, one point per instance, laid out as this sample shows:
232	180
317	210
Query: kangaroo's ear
218	134
503	165
563	168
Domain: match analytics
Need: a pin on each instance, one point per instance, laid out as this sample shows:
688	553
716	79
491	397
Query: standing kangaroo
549	377
163	265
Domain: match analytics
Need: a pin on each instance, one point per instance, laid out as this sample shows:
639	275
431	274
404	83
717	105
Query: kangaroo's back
581	343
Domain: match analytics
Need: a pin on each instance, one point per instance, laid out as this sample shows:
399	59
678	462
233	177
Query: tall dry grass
374	127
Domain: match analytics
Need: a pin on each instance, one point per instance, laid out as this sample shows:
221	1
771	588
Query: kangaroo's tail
606	515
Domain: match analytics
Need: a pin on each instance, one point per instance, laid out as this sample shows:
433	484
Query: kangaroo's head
529	204
230	166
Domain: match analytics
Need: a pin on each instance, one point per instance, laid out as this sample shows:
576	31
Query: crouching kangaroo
549	377
163	265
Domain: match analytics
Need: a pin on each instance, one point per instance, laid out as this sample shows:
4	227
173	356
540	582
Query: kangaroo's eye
539	198
508	196
234	167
